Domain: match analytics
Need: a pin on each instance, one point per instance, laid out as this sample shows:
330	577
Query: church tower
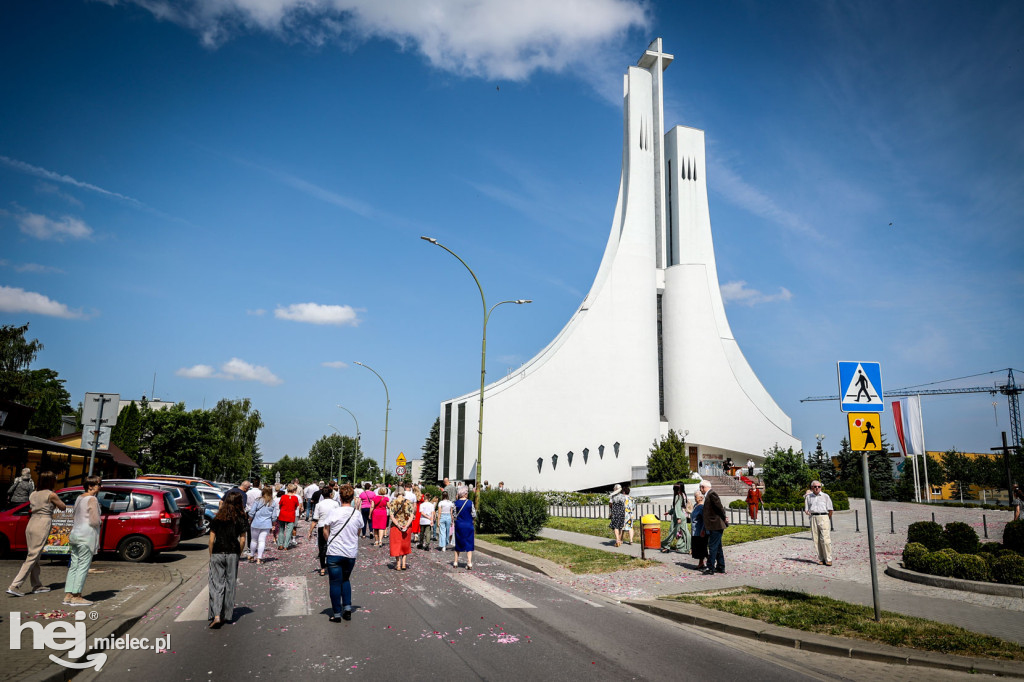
648	349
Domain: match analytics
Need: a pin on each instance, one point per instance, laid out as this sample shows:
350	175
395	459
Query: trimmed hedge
1013	536
1008	569
928	533
989	548
971	567
961	537
520	515
938	563
913	556
574	499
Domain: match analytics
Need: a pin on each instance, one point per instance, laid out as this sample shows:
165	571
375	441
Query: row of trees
42	389
326	456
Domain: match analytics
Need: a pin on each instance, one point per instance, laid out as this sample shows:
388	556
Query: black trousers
321	543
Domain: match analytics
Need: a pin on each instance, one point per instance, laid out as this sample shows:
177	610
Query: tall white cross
655	60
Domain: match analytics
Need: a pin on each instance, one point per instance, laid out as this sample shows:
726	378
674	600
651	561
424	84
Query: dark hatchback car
136	521
189	500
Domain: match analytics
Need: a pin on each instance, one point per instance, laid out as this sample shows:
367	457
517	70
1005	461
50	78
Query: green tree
127	432
291	468
235	427
41	389
667	460
785	471
820	462
431	448
959	470
16	354
880	471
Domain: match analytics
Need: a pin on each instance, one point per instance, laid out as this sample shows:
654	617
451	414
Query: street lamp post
483	361
355	463
387	411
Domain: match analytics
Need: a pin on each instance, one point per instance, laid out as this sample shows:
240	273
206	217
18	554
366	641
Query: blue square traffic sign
860	387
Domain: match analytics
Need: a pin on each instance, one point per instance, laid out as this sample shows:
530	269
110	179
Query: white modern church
649	348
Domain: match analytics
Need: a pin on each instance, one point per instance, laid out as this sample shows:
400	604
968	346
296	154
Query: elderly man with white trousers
818	506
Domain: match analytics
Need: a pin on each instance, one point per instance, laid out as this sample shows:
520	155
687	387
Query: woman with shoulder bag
261	514
699	540
465	534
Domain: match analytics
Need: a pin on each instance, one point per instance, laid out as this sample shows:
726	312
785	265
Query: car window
114	501
68	497
169	505
141	501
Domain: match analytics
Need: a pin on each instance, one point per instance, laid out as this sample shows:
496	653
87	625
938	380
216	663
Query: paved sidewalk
122	593
790	562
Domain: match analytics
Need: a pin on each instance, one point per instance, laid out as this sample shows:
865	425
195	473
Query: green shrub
913	556
488	516
839	500
1008	569
938	563
961	537
1013	536
738	504
1005	552
431	491
971	567
989	548
989	558
522	514
928	533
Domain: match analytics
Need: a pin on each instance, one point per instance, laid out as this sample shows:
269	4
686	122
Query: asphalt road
433	621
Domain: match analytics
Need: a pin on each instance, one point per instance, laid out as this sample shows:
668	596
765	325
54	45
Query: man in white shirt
409	494
426	512
307	494
321	513
750	467
254	493
818	506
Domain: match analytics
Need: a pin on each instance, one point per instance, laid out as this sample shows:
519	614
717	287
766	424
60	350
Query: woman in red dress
401	512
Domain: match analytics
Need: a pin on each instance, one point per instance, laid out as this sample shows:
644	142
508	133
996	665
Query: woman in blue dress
464	513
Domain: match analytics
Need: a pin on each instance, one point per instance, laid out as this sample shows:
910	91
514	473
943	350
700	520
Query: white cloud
41	227
196	372
47	188
737	292
738	191
15	300
234	369
57	177
316	313
335	364
488	38
34	268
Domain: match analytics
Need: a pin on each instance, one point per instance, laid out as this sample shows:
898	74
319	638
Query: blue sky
230	194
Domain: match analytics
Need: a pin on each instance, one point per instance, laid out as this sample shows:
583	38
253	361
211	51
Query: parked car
190	480
212	498
189	500
137	521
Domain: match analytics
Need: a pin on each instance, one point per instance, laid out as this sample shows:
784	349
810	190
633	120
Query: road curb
896	571
114	628
692	614
523	560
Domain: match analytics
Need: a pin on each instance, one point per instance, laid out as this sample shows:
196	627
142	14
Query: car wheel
135	548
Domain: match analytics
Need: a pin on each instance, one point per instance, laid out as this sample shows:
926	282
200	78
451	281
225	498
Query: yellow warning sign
400	462
865	431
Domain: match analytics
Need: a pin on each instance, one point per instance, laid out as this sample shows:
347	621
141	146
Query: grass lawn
733	535
573	557
831	617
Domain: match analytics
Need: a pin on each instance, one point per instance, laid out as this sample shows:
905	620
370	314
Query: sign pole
96	435
871	535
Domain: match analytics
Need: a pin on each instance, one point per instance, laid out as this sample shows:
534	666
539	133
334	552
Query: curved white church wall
594	390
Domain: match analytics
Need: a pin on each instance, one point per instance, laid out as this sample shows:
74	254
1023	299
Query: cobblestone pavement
790	562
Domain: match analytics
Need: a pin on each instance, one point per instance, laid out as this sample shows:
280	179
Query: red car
136	521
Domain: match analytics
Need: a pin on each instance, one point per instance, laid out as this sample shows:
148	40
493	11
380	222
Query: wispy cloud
317	313
258	312
33	268
335	364
17	300
738	292
54	190
738	191
60	229
234	369
66	179
487	38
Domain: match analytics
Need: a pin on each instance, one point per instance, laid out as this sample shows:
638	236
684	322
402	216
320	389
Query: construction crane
1010	389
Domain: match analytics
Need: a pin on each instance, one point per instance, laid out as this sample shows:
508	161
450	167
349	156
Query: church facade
648	349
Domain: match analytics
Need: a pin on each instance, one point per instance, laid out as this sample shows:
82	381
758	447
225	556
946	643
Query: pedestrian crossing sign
400	460
865	431
860	387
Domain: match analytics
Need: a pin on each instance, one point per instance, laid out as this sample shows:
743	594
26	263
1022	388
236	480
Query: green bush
432	491
989	548
1013	536
971	567
928	533
989	558
913	556
488	516
522	514
939	563
961	537
1008	569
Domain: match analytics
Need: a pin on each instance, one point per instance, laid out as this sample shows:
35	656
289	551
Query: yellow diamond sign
400	462
865	431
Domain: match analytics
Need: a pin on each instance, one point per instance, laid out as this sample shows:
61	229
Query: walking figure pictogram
862	386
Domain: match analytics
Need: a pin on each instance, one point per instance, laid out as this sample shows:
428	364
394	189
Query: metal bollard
984	524
933	517
892	524
856	518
